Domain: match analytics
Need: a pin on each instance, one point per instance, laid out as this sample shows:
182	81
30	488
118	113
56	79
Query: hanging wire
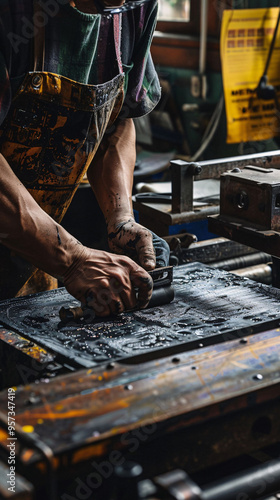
210	130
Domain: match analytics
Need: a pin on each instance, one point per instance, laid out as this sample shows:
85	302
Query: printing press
177	401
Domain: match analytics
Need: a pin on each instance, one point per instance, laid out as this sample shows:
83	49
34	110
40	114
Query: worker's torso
50	136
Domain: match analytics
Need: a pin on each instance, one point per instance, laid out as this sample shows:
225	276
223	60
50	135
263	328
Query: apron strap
117	20
39	40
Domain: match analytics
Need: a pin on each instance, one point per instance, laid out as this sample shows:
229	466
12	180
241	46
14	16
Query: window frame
192	27
176	43
182	27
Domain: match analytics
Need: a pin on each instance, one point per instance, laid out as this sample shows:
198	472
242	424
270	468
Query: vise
250	208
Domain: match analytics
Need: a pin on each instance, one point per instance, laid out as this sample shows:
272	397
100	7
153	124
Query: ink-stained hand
139	243
108	283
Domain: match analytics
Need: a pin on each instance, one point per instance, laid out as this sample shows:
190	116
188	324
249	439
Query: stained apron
49	138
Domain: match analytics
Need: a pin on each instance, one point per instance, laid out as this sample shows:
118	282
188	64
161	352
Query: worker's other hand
107	282
139	243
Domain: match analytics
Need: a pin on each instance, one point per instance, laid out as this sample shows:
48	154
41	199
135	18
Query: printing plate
210	306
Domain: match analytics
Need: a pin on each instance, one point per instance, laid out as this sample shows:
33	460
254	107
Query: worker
73	75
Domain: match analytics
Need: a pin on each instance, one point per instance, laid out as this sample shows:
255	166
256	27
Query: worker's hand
107	282
162	250
139	243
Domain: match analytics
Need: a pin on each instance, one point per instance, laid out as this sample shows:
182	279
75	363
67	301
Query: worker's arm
111	177
105	281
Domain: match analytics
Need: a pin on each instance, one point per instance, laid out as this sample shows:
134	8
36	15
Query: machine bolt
126	481
110	366
128	470
21	345
33	399
195	168
258	376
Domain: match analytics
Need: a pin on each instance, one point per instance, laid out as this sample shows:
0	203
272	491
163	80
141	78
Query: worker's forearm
26	229
111	172
89	275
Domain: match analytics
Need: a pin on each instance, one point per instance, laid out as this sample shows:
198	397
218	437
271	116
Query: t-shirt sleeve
141	83
5	90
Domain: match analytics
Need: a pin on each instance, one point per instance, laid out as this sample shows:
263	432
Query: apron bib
49	138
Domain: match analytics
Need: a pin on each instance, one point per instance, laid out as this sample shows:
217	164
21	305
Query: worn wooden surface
92	408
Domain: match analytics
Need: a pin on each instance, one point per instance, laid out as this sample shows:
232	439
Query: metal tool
163	293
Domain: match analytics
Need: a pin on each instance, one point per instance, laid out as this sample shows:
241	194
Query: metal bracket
182	174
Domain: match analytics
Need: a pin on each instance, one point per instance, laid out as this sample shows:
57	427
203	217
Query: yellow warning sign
245	41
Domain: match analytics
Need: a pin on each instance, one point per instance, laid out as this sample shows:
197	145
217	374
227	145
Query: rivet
194	368
258	377
200	345
243	341
37	80
176	360
110	366
128	387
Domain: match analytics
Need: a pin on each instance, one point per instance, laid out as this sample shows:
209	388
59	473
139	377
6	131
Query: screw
197	170
176	360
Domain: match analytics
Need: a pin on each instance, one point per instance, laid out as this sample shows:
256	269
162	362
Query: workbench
193	385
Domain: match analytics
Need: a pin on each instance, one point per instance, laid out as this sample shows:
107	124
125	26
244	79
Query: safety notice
245	41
